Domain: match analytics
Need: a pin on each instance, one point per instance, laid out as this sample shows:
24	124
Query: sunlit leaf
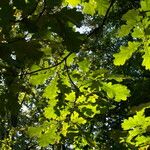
137	126
84	65
70	97
117	91
146	58
73	2
89	7
35	131
102	6
124	30
138	32
76	119
89	110
131	17
64	128
125	53
145	5
51	90
70	59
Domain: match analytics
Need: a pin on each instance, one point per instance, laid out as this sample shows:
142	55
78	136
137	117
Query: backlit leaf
146	58
70	97
70	59
38	79
125	53
102	6
76	119
131	17
84	65
124	30
117	91
73	2
145	5
89	8
51	90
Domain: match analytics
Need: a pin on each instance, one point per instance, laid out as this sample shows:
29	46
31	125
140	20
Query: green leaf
64	113
64	128
51	91
70	59
84	65
117	91
142	139
89	8
146	58
132	16
76	119
70	97
93	98
117	77
125	53
145	5
50	137
124	30
35	131
137	126
102	6
45	133
138	32
49	111
89	110
81	99
73	2
39	78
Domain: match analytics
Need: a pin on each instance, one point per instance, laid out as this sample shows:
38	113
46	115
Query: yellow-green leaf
102	6
73	2
125	53
51	91
117	91
89	8
76	119
70	97
146	58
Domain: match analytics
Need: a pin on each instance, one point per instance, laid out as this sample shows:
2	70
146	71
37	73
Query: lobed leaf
117	91
125	53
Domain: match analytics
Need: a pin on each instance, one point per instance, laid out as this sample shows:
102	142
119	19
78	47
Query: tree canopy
74	74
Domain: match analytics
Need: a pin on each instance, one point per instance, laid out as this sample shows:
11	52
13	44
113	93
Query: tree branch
100	27
42	12
42	69
67	69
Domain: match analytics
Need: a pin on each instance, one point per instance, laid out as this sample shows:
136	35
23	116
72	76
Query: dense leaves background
74	74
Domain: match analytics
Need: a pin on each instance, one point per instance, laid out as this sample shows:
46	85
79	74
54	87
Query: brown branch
33	10
76	88
16	40
42	12
42	69
67	70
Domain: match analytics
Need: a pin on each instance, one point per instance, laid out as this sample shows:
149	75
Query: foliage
137	24
138	129
59	88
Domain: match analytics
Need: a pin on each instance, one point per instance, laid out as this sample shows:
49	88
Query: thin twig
42	12
42	69
67	70
100	27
